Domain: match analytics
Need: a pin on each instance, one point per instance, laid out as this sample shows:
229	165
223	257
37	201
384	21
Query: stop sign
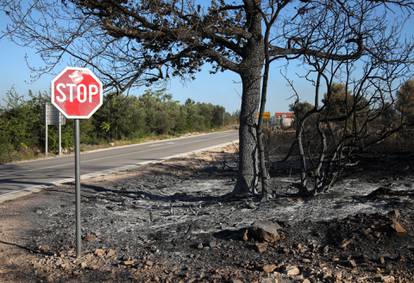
76	92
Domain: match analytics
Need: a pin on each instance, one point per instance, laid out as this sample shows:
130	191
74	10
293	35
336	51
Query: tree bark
248	152
250	72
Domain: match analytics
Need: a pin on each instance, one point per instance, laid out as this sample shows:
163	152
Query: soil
174	221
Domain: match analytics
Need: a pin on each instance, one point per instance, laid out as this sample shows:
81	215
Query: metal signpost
77	93
55	118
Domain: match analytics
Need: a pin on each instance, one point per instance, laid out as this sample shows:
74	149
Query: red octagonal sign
76	92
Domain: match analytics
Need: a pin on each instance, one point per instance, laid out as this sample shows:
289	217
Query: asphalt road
20	176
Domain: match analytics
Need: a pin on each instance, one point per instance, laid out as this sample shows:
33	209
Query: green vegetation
405	101
121	118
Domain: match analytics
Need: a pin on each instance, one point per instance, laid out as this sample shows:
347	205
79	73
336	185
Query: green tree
405	101
300	109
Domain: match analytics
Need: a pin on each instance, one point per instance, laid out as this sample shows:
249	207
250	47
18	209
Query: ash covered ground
169	222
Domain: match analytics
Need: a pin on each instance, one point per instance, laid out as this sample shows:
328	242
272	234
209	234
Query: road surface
21	176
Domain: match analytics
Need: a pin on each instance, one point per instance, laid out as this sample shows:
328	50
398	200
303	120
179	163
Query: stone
301	248
99	252
261	247
149	263
306	281
398	227
268	268
388	279
265	231
246	235
44	249
129	262
111	253
90	237
345	243
251	205
293	271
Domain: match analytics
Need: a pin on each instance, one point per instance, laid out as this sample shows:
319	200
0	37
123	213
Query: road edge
35	189
115	147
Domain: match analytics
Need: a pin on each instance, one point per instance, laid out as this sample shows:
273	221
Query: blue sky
222	88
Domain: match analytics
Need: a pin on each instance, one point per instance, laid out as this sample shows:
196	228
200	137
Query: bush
121	117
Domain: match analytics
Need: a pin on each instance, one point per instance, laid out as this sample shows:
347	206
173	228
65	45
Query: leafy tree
405	101
300	109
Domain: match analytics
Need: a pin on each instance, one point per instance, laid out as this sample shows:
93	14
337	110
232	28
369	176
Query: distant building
283	119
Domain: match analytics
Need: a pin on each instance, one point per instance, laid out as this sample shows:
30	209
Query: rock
246	235
236	281
149	263
64	266
261	247
212	244
250	205
111	253
388	279
327	273
306	281
89	237
200	246
154	249
398	227
345	243
99	252
338	276
367	231
44	249
83	265
269	267
129	262
301	248
292	271
265	231
352	263
278	277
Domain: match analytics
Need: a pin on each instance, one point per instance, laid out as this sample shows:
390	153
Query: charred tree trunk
248	152
250	73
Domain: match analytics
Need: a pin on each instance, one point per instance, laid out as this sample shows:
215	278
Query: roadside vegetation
154	114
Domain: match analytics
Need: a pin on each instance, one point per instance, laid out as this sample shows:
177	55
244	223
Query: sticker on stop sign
76	92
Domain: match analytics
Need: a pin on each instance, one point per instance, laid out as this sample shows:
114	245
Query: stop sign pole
77	94
77	189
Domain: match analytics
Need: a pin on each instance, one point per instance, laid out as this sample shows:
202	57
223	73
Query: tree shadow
28	249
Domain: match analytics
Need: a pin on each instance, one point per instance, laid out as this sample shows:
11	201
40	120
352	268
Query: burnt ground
169	222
